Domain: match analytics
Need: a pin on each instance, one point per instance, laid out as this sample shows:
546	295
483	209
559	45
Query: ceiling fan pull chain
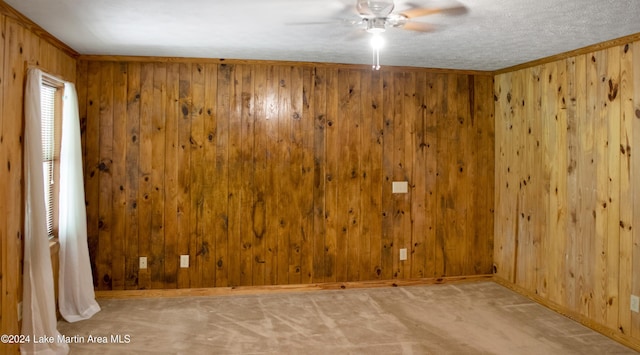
376	43
376	59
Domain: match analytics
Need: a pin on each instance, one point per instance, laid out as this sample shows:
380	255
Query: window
51	113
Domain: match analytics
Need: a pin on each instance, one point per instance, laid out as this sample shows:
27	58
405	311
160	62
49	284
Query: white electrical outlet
403	254
635	303
143	262
19	311
400	187
184	261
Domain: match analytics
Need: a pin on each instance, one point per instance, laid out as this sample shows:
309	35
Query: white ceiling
493	34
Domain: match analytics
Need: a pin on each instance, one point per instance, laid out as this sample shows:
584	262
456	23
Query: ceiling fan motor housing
376	25
378	9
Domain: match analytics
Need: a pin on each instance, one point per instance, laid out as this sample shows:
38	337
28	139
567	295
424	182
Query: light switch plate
635	303
403	254
184	261
143	262
400	187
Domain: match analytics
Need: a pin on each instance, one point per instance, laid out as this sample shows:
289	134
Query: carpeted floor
468	318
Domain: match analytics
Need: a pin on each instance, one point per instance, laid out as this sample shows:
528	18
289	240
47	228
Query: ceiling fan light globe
374	8
375	30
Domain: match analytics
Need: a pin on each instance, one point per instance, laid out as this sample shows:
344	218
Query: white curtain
39	312
76	297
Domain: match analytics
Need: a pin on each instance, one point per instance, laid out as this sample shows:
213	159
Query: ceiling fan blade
419	12
416	11
345	22
418	26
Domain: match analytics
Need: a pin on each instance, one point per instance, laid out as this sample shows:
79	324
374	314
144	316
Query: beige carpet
468	318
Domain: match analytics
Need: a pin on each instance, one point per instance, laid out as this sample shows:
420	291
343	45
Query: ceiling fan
377	15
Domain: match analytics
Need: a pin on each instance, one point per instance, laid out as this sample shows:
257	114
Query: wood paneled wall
567	224
21	44
265	173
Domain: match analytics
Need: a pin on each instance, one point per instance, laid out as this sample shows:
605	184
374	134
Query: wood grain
627	116
194	245
233	61
566	248
5	288
578	122
205	255
22	44
182	102
13	217
144	172
318	107
104	259
118	193
635	194
258	209
132	181
285	172
169	218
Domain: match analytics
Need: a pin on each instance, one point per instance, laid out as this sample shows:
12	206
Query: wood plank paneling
22	44
13	217
247	137
281	174
206	255
283	177
170	218
157	245
318	103
579	124
132	182
635	194
13	135
349	178
272	172
404	119
182	102
398	173
105	259
613	117
195	244
431	172
221	187
572	156
305	124
332	153
118	166
483	119
387	210
599	60
144	171
236	177
5	289
258	210
92	160
626	186
372	221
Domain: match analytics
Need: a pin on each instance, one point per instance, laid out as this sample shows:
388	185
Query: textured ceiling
493	34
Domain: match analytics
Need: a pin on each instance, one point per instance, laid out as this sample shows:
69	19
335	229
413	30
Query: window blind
47	103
